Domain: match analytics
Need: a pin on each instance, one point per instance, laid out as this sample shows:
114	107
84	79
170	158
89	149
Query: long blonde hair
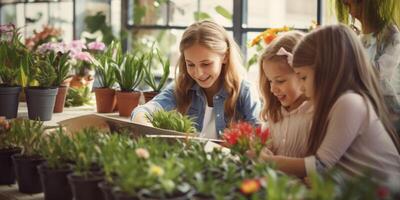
214	37
340	64
272	106
378	12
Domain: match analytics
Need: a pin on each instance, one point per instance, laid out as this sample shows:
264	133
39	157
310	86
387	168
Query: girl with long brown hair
351	130
208	86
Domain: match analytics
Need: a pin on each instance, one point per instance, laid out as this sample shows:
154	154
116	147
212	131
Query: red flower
383	192
263	135
250	186
231	136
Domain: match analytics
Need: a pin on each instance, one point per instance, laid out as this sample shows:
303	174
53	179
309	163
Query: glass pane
167	41
7	14
36	15
184	12
272	13
64	19
148	12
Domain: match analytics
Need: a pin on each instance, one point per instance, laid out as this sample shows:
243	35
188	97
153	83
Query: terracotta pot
127	101
149	96
105	100
81	81
60	99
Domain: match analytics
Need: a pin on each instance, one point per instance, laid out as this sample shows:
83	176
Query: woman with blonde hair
208	86
351	130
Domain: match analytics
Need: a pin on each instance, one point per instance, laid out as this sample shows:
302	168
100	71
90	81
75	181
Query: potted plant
113	151
7	149
129	73
150	78
41	94
55	149
27	135
58	57
86	173
12	53
166	181
172	120
105	95
82	63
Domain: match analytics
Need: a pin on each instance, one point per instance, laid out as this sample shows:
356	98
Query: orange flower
268	35
250	186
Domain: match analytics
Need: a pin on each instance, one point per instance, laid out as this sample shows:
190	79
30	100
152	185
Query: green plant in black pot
12	61
87	172
41	94
27	135
150	78
172	120
55	148
7	149
113	151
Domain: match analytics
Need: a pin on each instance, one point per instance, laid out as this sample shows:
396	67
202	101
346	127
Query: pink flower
98	46
7	28
53	46
77	45
142	153
83	56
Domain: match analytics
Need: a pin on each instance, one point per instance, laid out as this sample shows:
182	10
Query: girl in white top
286	109
351	130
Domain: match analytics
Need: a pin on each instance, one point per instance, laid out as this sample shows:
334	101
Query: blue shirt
247	107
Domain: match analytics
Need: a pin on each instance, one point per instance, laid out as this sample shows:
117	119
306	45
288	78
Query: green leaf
198	16
224	12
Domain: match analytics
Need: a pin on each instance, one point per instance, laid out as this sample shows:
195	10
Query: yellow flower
156	170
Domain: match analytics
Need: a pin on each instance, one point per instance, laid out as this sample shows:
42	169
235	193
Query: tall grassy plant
56	148
105	72
172	120
129	73
27	134
149	77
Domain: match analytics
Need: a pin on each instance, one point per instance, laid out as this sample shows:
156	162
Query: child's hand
251	154
265	154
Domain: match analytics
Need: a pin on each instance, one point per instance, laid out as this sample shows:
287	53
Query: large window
165	20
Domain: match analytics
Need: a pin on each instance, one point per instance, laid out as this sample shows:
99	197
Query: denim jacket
248	105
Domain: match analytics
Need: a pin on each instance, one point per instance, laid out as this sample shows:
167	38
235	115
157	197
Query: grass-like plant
13	57
105	72
78	97
172	120
149	77
56	148
27	134
86	150
129	73
42	73
61	65
5	136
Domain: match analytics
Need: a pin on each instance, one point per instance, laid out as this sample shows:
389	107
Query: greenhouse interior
199	99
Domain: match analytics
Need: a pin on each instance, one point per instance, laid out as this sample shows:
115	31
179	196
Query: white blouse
209	130
290	135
